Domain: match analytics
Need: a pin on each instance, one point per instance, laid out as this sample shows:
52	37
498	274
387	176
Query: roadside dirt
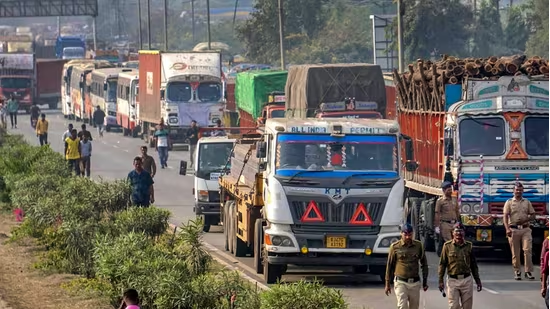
23	287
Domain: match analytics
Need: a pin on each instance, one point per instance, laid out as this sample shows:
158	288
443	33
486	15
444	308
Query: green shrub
151	221
189	242
302	295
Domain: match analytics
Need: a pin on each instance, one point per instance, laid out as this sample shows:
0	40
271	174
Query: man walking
457	259
517	214
42	130
193	137
162	140
67	133
86	157
405	258
72	152
85	132
99	119
148	162
142	185
447	214
35	113
13	107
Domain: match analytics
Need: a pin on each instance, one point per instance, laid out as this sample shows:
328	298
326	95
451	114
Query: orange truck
18	77
48	81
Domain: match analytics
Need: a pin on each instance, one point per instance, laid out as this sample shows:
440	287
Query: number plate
484	235
336	242
545	233
215	176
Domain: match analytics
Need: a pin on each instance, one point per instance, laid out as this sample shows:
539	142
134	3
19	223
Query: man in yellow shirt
72	152
42	130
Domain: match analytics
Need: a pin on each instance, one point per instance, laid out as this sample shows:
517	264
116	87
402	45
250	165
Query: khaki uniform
460	264
519	212
403	267
448	216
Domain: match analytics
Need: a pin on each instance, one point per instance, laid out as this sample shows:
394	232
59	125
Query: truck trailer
18	78
48	81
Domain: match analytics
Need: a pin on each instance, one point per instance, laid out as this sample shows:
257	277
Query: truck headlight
386	242
466	208
202	196
281	241
477	208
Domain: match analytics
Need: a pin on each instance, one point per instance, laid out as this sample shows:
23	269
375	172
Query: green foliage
516	32
488	35
538	22
152	221
304	295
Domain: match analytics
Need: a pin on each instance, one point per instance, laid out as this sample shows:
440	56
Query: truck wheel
272	273
125	132
108	128
425	234
65	116
240	249
52	105
226	225
135	133
258	246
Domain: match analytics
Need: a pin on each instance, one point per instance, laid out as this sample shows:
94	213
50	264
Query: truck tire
226	225
240	248
258	246
272	273
360	269
107	128
52	105
425	231
231	222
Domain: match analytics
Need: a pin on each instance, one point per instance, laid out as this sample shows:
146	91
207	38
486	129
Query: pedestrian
130	300
72	152
98	120
193	137
42	130
447	214
67	133
35	113
543	252
85	132
148	162
86	157
162	140
219	132
143	193
3	113
517	214
458	260
544	282
13	107
405	258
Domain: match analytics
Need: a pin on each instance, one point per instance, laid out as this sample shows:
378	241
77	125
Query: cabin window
536	136
482	136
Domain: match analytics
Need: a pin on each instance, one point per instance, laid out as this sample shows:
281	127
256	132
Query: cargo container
18	78
48	81
252	90
310	85
127	93
391	97
176	88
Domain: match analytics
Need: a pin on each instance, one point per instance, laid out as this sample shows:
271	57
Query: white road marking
115	146
170	167
126	150
490	291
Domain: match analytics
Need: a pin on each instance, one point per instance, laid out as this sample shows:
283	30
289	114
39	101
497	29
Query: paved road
112	158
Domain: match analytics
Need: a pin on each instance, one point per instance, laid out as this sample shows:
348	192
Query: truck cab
274	108
17	78
349	109
73	53
64	42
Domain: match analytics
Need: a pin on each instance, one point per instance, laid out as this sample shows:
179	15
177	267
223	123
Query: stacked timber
422	88
245	171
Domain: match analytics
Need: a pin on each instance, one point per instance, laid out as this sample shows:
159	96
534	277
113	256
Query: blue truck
70	47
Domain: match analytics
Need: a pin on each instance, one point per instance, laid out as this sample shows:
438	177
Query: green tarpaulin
252	88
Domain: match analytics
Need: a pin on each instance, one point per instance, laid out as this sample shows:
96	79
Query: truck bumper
328	259
207	208
498	239
111	121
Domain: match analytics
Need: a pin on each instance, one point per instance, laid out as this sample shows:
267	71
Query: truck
349	108
176	88
70	47
67	108
109	55
255	94
19	43
18	78
287	200
310	85
483	134
127	93
48	81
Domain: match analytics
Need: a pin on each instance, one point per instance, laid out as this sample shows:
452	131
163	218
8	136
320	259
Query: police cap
406	228
458	226
446	184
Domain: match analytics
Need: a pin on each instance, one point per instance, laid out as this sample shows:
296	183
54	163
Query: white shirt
66	134
162	141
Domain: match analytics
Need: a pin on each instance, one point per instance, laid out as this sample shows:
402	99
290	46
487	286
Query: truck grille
213	196
498	208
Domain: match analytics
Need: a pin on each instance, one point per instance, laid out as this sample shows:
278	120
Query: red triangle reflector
361	216
312	209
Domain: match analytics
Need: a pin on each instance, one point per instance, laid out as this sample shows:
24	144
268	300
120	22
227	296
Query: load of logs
245	172
423	86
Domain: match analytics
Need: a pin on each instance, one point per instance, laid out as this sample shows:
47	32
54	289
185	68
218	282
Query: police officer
517	214
447	213
404	260
457	259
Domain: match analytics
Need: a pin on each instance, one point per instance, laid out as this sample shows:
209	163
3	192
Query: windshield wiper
361	174
305	171
482	123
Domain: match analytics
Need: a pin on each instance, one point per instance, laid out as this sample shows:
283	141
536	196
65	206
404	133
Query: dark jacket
99	117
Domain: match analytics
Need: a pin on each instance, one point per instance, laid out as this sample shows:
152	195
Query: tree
488	37
442	25
538	16
516	32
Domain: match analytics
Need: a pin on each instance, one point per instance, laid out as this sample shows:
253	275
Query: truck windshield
73	52
482	136
111	90
213	158
209	92
352	115
536	136
178	92
12	82
349	153
278	113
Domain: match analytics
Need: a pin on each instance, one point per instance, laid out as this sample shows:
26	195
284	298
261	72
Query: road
112	158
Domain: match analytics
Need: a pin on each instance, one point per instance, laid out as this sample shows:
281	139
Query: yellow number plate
545	233
484	235
336	242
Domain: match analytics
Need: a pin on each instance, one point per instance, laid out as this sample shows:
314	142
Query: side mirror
449	146
105	87
162	94
410	164
225	95
261	150
183	168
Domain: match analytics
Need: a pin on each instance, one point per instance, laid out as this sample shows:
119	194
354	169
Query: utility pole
282	33
400	35
165	26
208	26
149	24
193	18
139	21
58	26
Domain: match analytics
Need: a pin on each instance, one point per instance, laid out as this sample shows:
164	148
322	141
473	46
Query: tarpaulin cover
252	88
310	85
